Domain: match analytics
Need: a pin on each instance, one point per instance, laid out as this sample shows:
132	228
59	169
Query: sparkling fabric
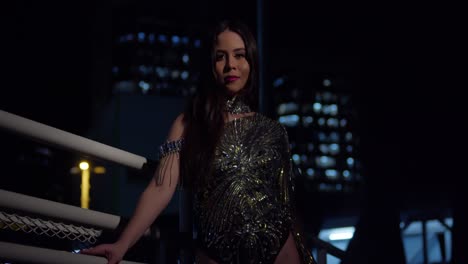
237	106
244	215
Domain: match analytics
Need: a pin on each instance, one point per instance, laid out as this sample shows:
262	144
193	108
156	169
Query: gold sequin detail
244	213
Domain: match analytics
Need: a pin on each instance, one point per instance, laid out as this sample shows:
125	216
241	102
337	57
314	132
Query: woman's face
231	66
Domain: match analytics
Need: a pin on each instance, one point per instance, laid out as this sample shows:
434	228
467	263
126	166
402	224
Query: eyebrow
238	49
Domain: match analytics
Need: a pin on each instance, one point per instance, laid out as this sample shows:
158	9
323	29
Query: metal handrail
65	140
69	141
51	209
24	254
324	248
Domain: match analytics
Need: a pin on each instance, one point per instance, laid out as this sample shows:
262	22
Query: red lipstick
229	79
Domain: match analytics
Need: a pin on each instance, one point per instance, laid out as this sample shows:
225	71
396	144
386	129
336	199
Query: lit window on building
321	135
289	120
156	59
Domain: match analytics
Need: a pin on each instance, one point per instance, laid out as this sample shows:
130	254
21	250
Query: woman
236	160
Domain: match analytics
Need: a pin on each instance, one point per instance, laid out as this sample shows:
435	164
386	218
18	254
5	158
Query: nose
230	64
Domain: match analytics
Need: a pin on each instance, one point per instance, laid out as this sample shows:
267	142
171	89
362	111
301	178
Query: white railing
29	254
57	210
69	141
54	210
48	228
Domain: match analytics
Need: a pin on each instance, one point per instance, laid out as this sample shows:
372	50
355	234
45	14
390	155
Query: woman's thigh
202	258
288	254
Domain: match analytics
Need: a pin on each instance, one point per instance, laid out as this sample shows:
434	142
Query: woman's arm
156	196
151	203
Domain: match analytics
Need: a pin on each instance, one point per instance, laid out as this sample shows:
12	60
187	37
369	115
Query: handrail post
322	256
443	253
424	238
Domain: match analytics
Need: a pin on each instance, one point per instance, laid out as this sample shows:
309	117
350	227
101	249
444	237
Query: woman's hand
113	252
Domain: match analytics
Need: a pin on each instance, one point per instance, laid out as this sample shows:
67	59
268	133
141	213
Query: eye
219	56
239	55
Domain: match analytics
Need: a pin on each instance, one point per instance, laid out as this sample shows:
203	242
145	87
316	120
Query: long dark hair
203	117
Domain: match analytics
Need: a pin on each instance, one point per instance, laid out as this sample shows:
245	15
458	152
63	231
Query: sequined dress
244	213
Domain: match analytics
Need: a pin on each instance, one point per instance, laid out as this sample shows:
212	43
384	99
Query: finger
92	251
113	261
85	250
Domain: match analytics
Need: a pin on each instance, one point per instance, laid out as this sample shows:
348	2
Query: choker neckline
236	105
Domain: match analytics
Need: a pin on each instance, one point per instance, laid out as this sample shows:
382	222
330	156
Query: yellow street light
84	165
85	185
86	170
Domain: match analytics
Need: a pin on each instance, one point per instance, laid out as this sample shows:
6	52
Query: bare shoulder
177	128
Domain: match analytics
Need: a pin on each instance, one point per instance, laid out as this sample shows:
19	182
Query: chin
233	90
